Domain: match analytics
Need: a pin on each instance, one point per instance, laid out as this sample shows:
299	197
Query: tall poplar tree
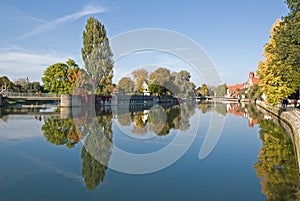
97	56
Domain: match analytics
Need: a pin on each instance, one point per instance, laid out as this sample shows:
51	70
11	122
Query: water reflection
97	141
276	164
158	119
93	172
60	131
247	111
97	136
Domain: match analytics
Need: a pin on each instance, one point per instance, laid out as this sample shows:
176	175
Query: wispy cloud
10	9
85	11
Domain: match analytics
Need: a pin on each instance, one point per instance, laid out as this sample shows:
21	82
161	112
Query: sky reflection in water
46	160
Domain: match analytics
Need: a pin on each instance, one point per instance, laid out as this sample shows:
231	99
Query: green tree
162	81
203	90
140	76
198	91
21	81
221	90
280	71
36	86
56	78
155	88
191	89
97	56
254	92
159	80
32	87
126	85
294	5
185	75
6	82
211	90
180	84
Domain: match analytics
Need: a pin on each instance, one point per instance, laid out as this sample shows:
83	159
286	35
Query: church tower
251	74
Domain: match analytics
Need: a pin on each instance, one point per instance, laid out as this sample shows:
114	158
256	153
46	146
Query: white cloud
86	10
17	63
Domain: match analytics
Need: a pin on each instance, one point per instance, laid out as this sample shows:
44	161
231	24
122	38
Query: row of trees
279	73
160	82
205	90
20	85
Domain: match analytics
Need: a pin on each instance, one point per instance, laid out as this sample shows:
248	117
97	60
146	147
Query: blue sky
35	34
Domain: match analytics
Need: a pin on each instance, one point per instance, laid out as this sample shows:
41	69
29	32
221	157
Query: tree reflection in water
93	172
159	119
97	133
276	166
97	148
140	119
125	119
60	131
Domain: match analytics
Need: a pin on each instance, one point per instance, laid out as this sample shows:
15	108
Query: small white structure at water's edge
146	91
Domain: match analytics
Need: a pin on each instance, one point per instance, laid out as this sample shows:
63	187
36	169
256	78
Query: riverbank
291	117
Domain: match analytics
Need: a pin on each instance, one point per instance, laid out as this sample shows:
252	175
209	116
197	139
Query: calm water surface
50	156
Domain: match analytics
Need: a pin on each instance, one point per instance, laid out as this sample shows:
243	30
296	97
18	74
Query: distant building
145	89
252	80
241	89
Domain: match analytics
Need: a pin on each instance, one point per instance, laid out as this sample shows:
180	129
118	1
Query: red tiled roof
255	80
235	87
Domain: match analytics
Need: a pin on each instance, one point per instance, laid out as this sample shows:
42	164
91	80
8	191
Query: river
192	151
